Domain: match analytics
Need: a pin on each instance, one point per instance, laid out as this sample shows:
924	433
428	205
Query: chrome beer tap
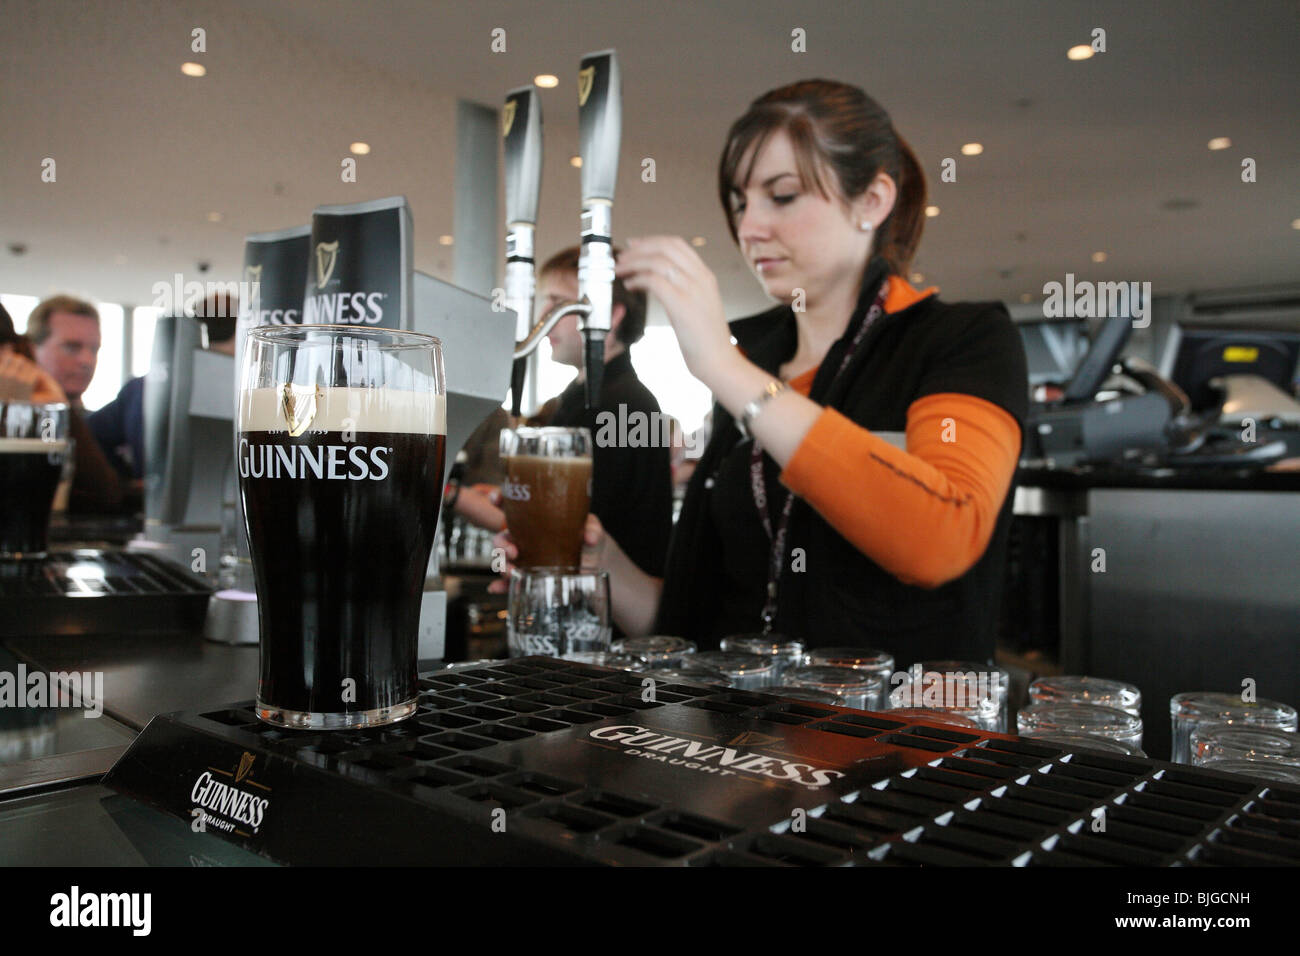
600	121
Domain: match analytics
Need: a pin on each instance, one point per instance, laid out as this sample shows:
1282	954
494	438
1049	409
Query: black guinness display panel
360	270
275	267
540	761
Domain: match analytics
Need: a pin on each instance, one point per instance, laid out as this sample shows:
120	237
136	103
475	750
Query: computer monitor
1102	355
1201	354
1053	348
189	410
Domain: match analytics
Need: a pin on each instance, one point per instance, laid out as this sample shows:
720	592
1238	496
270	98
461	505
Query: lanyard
758	486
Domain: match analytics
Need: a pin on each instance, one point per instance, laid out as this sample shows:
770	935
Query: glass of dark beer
547	493
33	449
342	433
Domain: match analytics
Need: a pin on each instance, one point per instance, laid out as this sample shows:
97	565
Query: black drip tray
539	761
99	592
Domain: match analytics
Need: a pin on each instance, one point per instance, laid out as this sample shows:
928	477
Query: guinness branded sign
361	270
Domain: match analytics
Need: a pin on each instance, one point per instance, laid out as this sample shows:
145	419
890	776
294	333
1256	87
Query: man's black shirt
632	492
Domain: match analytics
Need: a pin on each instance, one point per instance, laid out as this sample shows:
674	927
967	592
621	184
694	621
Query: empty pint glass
546	493
33	449
340	446
559	612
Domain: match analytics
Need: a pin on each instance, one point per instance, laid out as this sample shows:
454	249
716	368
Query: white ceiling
1079	156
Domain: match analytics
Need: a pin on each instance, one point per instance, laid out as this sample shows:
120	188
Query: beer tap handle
521	130
600	125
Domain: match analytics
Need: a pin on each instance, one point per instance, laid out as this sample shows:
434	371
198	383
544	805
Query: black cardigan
843	597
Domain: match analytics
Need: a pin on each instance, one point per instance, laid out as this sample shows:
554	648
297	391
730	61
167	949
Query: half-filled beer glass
340	447
547	493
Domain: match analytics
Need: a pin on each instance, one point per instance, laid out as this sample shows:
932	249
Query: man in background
65	338
631	486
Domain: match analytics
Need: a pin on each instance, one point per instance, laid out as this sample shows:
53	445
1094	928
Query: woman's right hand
594	539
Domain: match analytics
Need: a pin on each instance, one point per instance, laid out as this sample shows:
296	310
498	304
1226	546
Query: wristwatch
772	389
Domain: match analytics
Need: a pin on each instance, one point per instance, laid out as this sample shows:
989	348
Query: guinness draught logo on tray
227	800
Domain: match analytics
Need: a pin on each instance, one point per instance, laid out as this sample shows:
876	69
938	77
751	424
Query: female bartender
856	486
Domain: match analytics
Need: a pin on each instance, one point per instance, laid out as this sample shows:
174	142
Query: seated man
64	333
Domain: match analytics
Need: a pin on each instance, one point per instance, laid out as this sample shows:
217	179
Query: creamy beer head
297	408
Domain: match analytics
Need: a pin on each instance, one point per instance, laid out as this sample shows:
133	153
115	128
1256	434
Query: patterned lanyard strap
757	485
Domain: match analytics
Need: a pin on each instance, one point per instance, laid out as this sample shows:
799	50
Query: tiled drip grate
944	797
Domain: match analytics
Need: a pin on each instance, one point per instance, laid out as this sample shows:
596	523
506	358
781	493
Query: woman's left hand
670	270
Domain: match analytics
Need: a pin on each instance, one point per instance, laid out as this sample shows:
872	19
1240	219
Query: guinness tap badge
508	116
327	253
298	402
245	765
586	79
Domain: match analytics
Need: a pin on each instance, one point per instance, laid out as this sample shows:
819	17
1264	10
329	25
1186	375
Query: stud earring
865	226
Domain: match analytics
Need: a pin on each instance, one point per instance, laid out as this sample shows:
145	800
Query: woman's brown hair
837	125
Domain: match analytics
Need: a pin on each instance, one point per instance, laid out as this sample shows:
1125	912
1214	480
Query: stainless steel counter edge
58	770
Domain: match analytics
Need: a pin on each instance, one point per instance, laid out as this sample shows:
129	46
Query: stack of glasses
1084	711
1196	715
976	692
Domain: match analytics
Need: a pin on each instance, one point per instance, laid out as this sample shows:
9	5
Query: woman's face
795	238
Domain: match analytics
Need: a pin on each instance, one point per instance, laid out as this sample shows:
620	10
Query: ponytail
900	233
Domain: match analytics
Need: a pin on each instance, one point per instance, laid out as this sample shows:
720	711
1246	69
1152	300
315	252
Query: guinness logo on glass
508	116
586	79
327	253
298	402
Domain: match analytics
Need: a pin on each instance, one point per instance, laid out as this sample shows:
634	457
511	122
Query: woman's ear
876	202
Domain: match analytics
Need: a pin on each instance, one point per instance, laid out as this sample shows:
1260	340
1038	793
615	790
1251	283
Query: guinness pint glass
547	493
340	453
33	448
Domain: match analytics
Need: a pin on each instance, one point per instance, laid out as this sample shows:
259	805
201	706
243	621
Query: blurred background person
65	338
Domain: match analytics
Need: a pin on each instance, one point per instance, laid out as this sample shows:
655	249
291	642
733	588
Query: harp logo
327	253
245	765
586	79
508	116
750	738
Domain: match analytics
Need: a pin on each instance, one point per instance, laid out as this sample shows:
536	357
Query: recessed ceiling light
360	149
1219	142
1295	223
1099	257
972	149
193	69
445	240
1081	52
215	217
546	80
932	211
698	241
575	161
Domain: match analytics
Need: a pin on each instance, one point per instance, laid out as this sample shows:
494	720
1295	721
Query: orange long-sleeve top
926	514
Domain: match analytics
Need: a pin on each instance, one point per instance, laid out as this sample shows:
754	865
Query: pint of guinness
340	447
33	448
546	493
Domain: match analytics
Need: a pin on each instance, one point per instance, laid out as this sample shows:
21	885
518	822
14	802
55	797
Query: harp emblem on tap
586	79
508	116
